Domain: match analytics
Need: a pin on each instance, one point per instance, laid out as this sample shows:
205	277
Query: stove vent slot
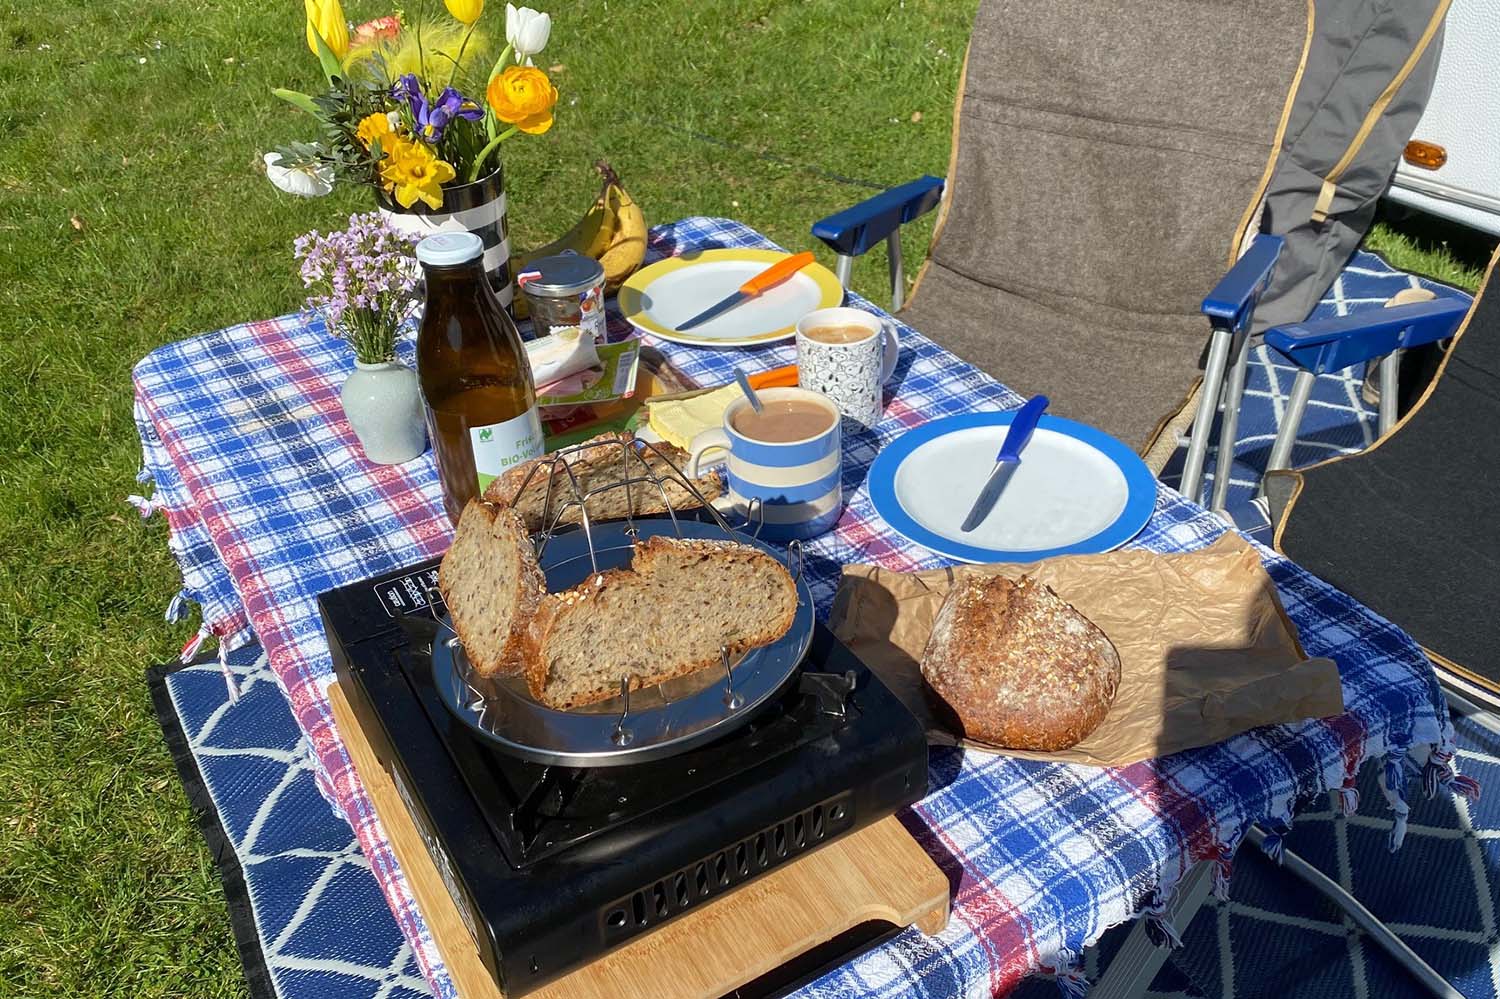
722	871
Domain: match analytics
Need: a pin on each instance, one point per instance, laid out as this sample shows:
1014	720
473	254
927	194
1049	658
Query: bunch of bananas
612	231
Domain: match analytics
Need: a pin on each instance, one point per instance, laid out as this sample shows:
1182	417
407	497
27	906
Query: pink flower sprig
363	281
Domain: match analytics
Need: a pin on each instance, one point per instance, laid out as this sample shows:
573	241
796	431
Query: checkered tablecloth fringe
1044	857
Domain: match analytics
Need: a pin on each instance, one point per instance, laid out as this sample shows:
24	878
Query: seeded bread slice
594	466
1019	666
665	617
492	585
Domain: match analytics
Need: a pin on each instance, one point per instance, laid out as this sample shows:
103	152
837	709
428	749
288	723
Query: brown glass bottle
476	382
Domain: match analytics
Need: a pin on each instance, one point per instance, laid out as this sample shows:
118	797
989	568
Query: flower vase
383	403
478	208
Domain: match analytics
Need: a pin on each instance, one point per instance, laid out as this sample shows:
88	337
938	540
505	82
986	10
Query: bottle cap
564	274
445	249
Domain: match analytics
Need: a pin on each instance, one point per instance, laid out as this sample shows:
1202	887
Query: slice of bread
600	462
1019	666
666	616
492	585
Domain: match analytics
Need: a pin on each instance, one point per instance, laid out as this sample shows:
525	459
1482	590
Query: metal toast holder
646	722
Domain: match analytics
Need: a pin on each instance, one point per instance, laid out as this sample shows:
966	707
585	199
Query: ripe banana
627	243
612	231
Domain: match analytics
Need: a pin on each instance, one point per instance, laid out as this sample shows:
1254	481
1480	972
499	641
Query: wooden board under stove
878	872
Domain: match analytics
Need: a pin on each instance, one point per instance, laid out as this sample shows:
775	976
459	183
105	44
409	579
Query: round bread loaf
1019	666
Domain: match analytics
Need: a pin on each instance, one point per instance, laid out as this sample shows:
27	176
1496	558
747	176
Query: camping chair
1105	176
1106	171
1411	526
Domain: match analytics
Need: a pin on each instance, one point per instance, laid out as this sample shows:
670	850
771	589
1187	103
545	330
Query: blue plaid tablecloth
275	504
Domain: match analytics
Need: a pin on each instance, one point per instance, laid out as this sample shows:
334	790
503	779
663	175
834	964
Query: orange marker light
1427	155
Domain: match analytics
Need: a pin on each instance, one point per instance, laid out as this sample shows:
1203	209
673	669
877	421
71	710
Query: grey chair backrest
1369	73
1108	160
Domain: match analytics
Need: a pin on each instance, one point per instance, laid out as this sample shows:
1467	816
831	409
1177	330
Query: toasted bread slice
665	617
492	585
604	462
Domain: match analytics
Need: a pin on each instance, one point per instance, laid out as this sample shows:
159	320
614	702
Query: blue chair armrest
1323	345
1232	302
854	230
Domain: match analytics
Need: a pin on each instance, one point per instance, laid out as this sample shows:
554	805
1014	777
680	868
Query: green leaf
297	100
332	68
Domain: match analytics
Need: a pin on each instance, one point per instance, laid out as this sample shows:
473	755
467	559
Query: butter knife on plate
1016	439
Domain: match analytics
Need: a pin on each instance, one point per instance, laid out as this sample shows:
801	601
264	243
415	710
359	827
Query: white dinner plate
656	299
1077	489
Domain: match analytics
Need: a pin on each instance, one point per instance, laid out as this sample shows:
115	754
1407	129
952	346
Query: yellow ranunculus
372	127
411	173
325	19
467	11
523	96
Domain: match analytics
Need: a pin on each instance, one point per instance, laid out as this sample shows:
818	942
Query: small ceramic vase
384	405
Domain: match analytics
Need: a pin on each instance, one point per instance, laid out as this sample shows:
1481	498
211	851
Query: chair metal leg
1363	918
1229	427
1138	960
1208	404
1390	385
1291	420
897	269
843	264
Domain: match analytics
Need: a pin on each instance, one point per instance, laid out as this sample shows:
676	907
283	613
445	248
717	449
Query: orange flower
523	96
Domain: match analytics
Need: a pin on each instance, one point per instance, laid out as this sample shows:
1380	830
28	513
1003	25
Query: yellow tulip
325	19
467	11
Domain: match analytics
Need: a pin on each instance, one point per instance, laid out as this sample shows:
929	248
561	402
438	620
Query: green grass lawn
133	213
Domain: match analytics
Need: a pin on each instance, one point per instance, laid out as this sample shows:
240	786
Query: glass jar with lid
565	290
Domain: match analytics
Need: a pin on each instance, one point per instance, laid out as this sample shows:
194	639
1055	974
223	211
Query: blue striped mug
798	483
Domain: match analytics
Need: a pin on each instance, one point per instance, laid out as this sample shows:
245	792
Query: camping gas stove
553	865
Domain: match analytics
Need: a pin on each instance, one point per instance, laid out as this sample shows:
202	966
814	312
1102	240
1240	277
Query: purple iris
432	119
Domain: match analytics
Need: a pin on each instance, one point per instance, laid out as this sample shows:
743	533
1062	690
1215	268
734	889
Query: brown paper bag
1206	650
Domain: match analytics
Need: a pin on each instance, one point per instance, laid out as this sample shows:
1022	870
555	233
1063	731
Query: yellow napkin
678	421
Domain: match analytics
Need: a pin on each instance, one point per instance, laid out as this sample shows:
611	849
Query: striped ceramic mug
798	483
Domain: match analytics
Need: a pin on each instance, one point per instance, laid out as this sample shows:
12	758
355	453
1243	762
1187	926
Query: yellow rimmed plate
676	289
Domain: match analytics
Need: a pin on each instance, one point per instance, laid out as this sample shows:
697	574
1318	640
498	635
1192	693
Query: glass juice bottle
476	382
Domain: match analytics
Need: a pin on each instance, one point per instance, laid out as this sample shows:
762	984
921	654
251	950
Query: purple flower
432	119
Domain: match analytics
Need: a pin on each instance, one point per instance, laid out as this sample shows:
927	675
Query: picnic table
270	502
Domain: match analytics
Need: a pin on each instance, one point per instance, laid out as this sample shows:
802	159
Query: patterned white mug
851	374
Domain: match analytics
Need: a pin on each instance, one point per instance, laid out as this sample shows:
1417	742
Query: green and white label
501	446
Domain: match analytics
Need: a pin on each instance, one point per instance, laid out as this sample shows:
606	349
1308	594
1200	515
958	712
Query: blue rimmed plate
1077	490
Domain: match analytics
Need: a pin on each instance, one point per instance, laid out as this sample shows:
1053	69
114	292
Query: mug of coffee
848	355
787	456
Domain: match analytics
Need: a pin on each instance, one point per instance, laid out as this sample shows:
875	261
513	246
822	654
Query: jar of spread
565	290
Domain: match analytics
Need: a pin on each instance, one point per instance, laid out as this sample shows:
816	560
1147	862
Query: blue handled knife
1006	461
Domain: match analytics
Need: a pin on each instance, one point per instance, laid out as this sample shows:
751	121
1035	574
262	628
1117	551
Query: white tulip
304	181
526	30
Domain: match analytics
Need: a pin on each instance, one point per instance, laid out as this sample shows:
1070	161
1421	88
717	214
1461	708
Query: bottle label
502	446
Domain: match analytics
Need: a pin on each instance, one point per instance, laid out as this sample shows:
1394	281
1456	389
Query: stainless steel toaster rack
649	722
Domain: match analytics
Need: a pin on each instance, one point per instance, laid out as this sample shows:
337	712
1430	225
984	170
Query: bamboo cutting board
877	873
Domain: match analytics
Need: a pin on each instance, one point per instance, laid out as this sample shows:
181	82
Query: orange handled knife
765	280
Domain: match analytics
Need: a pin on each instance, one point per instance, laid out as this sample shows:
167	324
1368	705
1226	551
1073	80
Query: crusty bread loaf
593	467
1020	667
666	616
492	585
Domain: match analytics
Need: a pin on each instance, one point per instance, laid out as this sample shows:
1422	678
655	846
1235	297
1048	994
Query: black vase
478	208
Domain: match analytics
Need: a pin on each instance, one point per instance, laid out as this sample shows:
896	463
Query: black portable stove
553	866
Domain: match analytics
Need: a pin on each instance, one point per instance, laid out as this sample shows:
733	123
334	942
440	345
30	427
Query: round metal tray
648	724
